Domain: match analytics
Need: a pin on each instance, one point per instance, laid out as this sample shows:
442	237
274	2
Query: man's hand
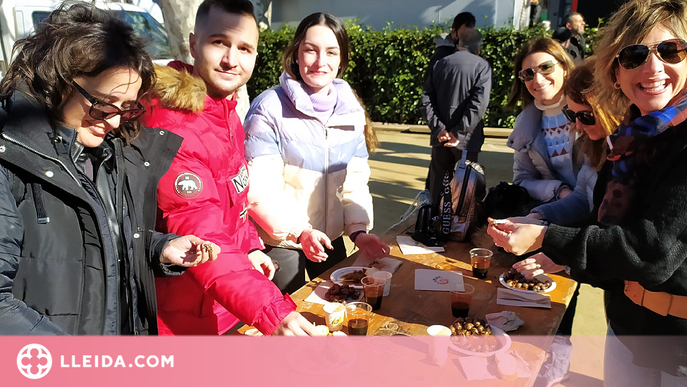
371	246
312	242
189	251
262	263
443	136
294	324
452	141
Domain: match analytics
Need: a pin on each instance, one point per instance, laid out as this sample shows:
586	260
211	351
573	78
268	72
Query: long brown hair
290	55
579	89
76	39
518	91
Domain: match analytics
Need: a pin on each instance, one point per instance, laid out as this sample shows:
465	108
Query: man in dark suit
454	99
575	23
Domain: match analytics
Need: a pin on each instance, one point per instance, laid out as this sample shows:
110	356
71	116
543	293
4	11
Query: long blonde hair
630	25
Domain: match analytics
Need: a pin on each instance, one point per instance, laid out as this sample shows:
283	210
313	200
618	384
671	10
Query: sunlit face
118	86
546	89
653	85
224	48
577	25
595	132
319	58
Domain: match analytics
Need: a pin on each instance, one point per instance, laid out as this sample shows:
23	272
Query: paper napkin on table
382	264
440	280
410	246
507	320
515	298
482	368
317	296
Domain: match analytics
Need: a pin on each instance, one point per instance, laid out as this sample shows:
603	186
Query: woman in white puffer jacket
307	158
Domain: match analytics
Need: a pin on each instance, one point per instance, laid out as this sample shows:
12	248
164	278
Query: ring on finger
537	266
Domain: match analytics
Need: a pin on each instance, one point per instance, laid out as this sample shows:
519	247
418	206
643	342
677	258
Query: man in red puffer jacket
206	187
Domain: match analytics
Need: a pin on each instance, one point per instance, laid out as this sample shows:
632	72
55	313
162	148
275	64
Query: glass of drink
461	299
334	314
358	316
480	259
374	291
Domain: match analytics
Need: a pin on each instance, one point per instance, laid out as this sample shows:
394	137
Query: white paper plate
497	333
337	275
553	285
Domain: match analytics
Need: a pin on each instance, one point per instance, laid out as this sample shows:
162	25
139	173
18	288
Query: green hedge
387	67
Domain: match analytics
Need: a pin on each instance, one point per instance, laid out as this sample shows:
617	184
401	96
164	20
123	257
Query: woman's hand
371	246
294	324
262	263
189	251
536	265
517	235
312	242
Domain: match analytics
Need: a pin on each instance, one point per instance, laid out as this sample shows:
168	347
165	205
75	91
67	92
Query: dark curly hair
77	39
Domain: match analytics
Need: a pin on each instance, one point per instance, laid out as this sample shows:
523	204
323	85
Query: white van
18	18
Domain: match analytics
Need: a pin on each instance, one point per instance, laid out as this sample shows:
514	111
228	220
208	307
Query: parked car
18	18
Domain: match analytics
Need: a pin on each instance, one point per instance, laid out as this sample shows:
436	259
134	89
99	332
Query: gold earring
617	85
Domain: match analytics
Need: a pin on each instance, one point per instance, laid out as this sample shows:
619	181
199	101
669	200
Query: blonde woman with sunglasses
636	247
542	137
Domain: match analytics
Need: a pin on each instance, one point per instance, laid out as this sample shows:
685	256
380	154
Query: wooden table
412	311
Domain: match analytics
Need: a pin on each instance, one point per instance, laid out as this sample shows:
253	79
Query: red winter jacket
205	194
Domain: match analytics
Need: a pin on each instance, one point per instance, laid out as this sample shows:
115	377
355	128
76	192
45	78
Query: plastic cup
480	259
461	300
386	276
358	318
335	315
374	291
438	343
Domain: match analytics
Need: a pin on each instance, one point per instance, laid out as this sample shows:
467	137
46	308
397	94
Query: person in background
634	248
454	99
446	43
307	156
563	36
535	13
575	23
206	188
78	175
542	137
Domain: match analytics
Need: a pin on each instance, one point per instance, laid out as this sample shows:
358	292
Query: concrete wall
403	13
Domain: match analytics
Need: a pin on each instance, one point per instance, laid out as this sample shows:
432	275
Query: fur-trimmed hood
178	89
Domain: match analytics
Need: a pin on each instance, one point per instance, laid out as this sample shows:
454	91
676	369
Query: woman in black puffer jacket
78	178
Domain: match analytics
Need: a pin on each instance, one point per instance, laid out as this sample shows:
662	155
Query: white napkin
317	296
383	264
530	300
507	320
410	246
440	280
482	368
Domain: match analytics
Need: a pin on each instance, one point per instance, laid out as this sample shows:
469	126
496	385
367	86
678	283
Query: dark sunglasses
586	117
101	110
670	51
545	68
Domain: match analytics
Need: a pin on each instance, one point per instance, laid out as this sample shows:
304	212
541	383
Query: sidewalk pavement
399	169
